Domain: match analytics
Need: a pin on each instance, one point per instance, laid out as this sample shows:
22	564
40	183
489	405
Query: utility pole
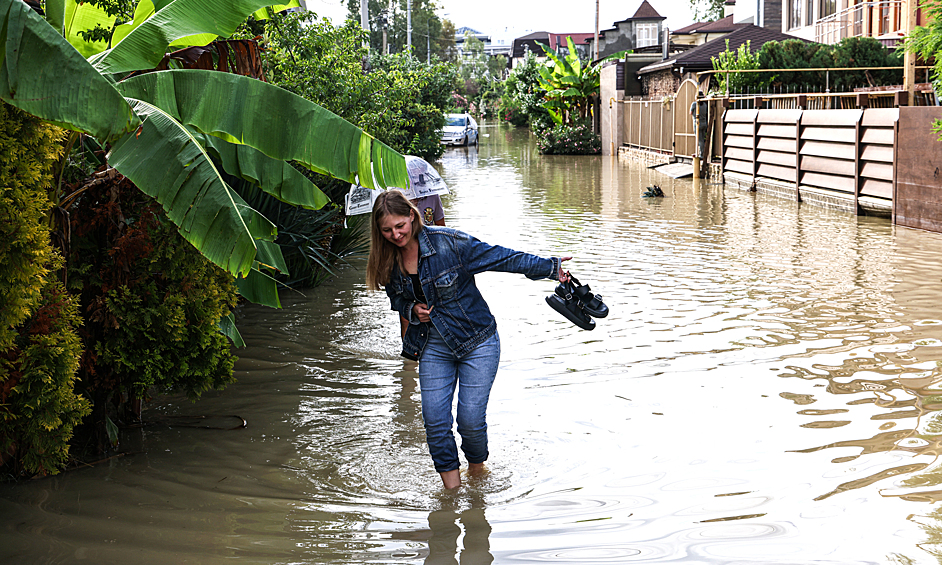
365	21
385	26
596	30
909	8
409	25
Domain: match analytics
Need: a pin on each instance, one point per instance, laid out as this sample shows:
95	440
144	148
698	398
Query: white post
365	20
409	25
596	31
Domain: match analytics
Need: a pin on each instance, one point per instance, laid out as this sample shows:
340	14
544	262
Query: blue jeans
440	372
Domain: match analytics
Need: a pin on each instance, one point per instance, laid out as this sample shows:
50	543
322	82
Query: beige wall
610	118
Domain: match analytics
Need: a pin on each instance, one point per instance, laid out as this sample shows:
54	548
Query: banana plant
570	85
161	127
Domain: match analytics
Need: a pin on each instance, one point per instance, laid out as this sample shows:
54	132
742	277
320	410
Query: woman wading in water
428	274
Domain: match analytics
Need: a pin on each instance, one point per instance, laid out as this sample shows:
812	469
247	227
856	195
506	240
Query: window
795	14
828	8
646	34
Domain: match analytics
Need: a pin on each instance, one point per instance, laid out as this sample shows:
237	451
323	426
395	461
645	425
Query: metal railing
867	19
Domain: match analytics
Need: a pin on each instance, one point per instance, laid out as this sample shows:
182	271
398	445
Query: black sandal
592	303
573	311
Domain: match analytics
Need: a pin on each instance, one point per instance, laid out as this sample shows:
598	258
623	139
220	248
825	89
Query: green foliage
706	10
28	150
400	100
569	139
39	407
864	52
39	349
850	52
326	64
427	28
926	42
522	102
123	10
739	60
311	241
570	85
153	302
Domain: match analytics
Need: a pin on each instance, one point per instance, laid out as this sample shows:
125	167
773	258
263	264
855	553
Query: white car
460	129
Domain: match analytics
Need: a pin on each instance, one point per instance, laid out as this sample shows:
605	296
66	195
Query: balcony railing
867	19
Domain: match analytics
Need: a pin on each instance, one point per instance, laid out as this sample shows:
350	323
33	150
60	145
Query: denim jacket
448	261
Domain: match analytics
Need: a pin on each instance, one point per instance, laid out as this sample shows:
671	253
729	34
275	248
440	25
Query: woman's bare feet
451	479
476	469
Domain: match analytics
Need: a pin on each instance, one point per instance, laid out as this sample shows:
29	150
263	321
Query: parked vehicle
460	129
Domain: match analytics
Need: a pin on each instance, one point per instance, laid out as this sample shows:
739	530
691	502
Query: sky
513	18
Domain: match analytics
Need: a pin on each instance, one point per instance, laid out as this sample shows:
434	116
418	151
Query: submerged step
676	170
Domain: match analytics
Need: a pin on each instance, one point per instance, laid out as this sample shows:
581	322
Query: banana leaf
278	123
55	14
146	44
269	255
144	10
82	16
275	177
263	14
166	162
43	75
228	328
259	288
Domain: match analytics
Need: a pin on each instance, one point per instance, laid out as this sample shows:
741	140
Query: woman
428	274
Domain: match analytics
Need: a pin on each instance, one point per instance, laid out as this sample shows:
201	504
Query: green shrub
576	139
522	91
39	408
153	303
39	347
850	52
396	98
28	150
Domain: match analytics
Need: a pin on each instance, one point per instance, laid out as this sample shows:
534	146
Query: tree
446	49
570	85
522	101
730	61
706	10
149	122
426	25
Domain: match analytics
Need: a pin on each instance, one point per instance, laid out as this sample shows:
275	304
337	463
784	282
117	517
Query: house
762	13
643	29
830	21
664	78
699	33
557	41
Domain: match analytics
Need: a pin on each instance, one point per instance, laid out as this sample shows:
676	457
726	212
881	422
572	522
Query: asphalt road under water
765	390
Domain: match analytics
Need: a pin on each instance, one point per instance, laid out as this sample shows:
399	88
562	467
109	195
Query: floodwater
766	389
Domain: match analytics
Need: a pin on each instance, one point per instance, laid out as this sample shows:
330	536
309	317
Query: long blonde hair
383	253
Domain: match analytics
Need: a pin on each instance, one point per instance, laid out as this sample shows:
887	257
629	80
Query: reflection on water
765	389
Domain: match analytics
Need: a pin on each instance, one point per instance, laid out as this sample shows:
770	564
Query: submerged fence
846	156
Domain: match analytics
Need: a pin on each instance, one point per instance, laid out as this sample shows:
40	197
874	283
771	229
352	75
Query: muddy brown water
765	390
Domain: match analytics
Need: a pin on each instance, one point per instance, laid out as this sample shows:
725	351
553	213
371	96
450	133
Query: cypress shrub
39	346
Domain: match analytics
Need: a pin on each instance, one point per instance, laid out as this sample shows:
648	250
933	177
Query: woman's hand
563	275
421	312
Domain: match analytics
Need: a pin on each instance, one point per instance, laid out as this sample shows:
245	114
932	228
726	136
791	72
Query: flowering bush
576	139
